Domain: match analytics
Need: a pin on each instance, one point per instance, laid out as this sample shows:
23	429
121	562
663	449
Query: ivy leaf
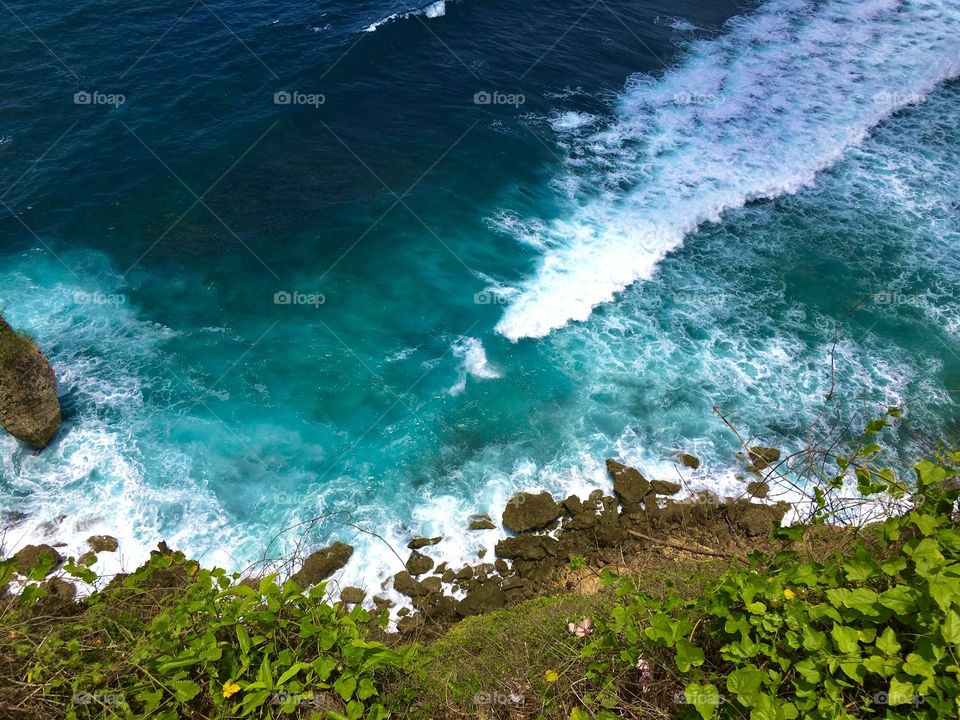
705	698
951	628
900	693
184	690
899	599
688	655
345	687
845	638
745	683
864	601
887	643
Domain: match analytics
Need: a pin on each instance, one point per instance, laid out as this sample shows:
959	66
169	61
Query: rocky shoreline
545	535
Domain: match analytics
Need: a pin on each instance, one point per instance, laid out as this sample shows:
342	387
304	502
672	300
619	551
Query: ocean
355	271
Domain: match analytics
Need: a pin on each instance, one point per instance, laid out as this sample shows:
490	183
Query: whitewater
754	114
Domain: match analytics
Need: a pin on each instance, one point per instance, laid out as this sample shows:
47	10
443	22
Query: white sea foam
473	363
568	121
433	10
754	114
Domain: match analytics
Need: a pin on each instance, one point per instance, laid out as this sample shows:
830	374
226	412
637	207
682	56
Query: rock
501	566
61	589
431	586
448	576
418	543
103	543
527	547
322	564
763	457
482	522
352	595
29	407
663	487
759	489
404	583
487	597
29	556
12	518
418	563
514	583
526	511
754	519
381	602
465	573
628	484
573	505
688	460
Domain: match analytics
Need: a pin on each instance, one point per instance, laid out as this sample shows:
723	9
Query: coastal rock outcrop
29	407
526	511
322	564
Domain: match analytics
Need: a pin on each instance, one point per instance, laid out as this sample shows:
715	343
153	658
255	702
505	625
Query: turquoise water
483	297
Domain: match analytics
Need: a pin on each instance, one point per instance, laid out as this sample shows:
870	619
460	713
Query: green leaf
900	692
864	601
845	638
244	639
184	690
688	655
887	643
950	630
291	672
899	599
323	667
705	698
745	683
345	687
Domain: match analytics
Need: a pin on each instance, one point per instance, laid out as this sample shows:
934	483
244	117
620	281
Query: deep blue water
662	208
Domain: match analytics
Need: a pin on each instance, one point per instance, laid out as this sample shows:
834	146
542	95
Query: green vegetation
850	624
12	343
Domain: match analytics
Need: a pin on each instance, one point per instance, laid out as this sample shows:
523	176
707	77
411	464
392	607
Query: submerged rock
322	564
418	543
29	407
689	461
763	457
481	522
103	543
526	511
758	489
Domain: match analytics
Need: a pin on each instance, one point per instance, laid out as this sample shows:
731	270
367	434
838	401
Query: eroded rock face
526	511
628	484
29	556
322	564
29	407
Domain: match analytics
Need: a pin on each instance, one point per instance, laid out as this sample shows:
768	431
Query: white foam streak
434	10
473	363
754	114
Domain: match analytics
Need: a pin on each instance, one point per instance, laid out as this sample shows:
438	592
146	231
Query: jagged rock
501	566
411	624
628	484
60	588
465	573
29	407
527	547
448	576
481	522
418	563
322	564
663	487
381	602
103	543
689	461
418	543
29	556
514	583
763	457
352	595
526	511
754	519
758	489
405	584
431	585
487	597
